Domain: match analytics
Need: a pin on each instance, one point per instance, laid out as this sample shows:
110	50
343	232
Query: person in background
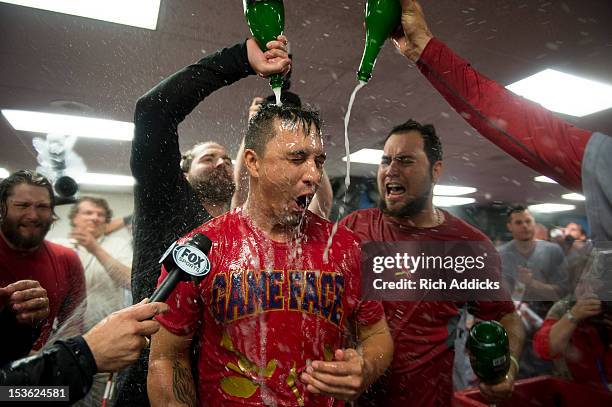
49	276
535	273
107	263
541	232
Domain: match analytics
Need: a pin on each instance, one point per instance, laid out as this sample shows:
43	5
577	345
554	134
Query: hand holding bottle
274	60
412	39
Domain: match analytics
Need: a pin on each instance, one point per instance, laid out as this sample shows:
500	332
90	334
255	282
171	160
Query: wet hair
431	141
261	129
24	177
514	209
99	202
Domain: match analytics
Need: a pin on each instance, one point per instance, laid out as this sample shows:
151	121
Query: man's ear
436	172
252	162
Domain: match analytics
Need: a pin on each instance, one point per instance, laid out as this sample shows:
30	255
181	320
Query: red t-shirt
588	360
57	269
267	308
423	332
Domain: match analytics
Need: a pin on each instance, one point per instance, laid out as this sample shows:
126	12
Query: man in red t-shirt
423	331
273	318
27	209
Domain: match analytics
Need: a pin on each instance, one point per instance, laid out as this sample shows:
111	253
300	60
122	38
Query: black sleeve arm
155	148
65	363
17	339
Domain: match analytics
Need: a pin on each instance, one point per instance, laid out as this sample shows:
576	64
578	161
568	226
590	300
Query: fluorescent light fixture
451	190
137	13
551	207
547	180
573	197
4	173
366	156
564	93
92	178
446	201
69	125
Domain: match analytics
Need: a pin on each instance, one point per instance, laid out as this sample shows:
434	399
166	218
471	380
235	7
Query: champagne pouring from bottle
382	17
266	20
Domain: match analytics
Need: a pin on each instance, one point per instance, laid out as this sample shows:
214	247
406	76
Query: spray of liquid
277	94
347	178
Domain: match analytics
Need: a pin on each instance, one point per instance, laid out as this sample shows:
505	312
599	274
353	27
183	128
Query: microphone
188	261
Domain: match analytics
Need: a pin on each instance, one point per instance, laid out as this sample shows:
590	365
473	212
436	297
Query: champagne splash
277	94
347	118
347	179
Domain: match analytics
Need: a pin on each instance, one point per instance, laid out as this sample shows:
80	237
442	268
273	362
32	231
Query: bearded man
41	283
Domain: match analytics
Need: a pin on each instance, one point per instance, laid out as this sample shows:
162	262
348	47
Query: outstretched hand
274	60
413	36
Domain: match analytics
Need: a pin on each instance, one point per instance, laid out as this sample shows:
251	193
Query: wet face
522	226
405	179
211	173
29	216
289	172
91	218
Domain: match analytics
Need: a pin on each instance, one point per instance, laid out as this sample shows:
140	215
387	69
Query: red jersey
588	358
267	308
57	269
423	332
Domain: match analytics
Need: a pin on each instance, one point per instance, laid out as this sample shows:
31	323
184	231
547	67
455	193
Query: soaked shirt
423	332
267	308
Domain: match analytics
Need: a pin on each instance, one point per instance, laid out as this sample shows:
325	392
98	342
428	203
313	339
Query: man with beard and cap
424	331
273	315
175	193
42	282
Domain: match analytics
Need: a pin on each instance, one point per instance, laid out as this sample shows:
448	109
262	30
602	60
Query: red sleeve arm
525	130
541	339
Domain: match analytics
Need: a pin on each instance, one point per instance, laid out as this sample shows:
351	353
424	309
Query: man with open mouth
272	316
424	331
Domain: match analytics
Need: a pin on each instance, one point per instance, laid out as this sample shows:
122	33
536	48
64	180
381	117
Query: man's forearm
170	383
516	334
377	351
119	272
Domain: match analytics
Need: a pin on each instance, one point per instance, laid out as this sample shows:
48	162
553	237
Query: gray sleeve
597	186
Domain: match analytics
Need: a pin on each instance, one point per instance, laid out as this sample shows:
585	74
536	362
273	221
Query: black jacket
165	205
65	363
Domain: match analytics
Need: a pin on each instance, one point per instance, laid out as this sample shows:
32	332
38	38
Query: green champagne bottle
266	20
381	18
489	351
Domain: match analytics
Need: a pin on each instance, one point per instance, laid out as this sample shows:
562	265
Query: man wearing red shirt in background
278	295
424	331
27	208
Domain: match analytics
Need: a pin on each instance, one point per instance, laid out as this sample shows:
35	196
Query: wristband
571	318
516	363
